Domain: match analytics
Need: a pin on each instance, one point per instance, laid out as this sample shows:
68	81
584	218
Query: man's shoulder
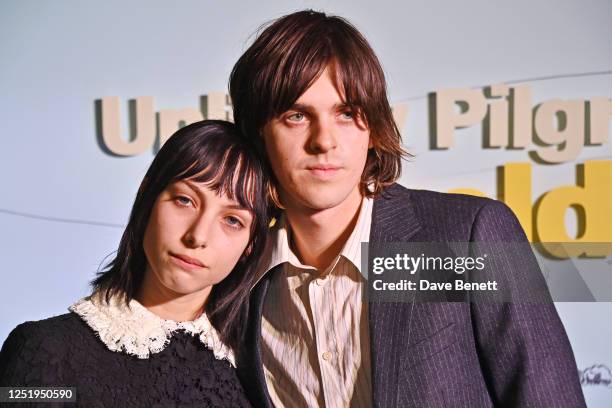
434	199
448	215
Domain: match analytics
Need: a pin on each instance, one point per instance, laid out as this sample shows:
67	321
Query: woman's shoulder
36	344
48	329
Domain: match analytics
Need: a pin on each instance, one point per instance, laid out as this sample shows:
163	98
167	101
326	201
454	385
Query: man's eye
296	117
184	201
349	115
234	222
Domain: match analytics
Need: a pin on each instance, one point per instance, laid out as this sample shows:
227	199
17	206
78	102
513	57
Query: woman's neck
170	305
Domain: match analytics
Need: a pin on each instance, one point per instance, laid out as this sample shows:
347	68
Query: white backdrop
64	201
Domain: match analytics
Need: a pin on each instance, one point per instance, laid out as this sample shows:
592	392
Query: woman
163	318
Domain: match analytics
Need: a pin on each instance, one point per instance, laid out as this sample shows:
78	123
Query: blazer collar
393	205
394	219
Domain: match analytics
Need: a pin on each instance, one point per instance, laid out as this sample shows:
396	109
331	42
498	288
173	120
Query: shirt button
322	281
327	356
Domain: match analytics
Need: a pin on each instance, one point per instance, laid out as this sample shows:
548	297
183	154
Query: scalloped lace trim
138	332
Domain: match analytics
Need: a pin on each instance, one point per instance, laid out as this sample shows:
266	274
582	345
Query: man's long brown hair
289	55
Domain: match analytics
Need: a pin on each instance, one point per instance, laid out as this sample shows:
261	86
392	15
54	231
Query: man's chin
316	197
322	202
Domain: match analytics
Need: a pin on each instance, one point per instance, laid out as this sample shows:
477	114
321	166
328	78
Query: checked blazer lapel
393	220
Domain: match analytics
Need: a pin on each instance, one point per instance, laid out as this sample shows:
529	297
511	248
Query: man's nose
198	233
322	137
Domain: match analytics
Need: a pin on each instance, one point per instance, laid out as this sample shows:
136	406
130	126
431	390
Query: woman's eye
234	222
184	201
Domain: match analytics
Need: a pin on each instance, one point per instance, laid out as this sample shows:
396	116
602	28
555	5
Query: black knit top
66	351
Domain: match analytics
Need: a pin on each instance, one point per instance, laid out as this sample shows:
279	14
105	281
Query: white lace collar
138	332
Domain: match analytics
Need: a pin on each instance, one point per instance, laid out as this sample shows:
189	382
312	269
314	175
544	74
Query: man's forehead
325	89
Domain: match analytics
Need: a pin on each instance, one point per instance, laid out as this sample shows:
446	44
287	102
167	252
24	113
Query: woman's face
194	237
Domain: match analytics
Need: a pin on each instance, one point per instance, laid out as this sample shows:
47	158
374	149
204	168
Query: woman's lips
186	262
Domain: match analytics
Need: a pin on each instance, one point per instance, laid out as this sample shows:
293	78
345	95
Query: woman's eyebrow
236	207
191	185
231	205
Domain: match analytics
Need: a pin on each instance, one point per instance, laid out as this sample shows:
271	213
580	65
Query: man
311	94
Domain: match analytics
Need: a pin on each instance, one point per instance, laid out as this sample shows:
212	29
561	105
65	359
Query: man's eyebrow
343	105
300	107
304	107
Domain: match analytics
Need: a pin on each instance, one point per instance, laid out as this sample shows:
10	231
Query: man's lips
187	261
323	167
323	170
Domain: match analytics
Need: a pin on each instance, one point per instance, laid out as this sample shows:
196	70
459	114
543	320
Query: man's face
318	150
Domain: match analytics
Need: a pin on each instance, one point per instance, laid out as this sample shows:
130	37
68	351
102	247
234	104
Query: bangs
232	174
288	56
354	69
212	153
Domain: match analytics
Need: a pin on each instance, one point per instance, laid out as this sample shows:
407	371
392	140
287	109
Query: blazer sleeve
523	348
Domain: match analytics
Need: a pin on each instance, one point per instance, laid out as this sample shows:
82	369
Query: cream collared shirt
315	336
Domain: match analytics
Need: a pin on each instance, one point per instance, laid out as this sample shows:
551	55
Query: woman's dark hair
210	152
289	55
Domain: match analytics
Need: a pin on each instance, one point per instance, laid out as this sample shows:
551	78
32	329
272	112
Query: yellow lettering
591	198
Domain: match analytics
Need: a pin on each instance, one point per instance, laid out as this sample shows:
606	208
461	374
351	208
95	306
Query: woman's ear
248	250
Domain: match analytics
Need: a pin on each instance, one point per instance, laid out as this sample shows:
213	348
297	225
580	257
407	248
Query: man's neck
317	237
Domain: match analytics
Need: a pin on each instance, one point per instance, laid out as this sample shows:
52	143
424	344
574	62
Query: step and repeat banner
512	102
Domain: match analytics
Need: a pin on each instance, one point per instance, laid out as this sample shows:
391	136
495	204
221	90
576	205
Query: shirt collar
279	251
135	330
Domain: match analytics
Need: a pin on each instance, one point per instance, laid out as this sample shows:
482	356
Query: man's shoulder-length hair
289	55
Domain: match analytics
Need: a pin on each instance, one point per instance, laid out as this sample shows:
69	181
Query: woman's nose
198	233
